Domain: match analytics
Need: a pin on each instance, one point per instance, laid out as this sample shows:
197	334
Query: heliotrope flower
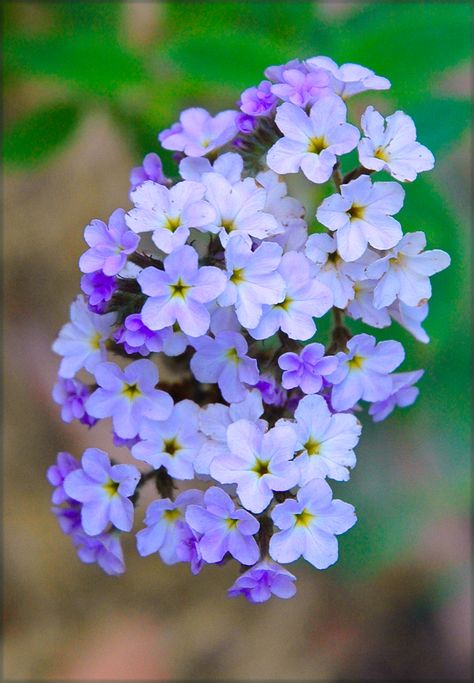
364	371
169	213
390	145
136	337
305	299
166	526
109	245
151	169
348	79
239	208
178	293
173	442
363	214
129	395
411	317
214	420
253	279
307	369
275	73
71	395
224	528
284	208
331	269
56	474
302	88
271	391
230	165
265	579
362	305
104	549
259	463
99	289
81	341
325	441
311	142
259	100
403	394
309	526
404	272
104	491
198	133
224	360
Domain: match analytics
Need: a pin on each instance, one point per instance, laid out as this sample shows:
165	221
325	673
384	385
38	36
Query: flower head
151	169
348	79
109	245
198	133
403	394
306	369
259	100
263	580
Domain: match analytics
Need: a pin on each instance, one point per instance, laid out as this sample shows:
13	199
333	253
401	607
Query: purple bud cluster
222	276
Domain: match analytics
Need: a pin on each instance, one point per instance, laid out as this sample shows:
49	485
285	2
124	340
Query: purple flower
301	88
214	420
363	372
309	526
69	516
306	369
362	215
275	73
224	528
109	245
348	79
180	291
229	165
238	208
272	393
311	142
403	394
136	337
104	491
129	395
404	272
104	549
71	395
305	298
391	146
253	279
188	549
151	169
331	270
198	133
362	305
265	579
325	441
259	100
172	443
224	360
246	124
56	474
99	289
169	213
166	526
259	463
81	342
411	317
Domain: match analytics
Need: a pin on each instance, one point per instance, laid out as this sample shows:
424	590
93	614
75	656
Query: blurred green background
87	86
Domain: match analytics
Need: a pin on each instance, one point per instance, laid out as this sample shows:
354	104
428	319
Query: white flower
312	141
362	215
81	342
404	272
348	79
391	146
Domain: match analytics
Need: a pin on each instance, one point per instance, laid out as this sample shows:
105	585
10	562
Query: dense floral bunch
219	275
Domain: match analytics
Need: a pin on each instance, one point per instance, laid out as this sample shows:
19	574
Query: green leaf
84	60
36	136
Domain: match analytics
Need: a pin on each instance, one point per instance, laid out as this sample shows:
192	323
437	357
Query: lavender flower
136	337
128	396
259	100
56	474
403	394
71	395
109	245
151	169
104	491
302	88
178	293
348	79
265	579
309	526
198	133
306	369
272	393
224	528
99	289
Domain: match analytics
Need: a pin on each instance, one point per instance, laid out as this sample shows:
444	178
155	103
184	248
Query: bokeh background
87	86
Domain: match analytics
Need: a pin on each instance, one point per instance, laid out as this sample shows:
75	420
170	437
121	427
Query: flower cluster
221	274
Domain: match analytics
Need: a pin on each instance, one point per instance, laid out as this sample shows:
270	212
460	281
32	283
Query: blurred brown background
87	87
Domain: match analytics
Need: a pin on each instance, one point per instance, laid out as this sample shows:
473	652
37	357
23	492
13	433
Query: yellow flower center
233	356
228	224
356	211
231	523
111	487
237	276
172	515
317	144
131	391
179	289
356	363
312	446
95	341
261	467
381	153
171	446
172	223
285	304
303	518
